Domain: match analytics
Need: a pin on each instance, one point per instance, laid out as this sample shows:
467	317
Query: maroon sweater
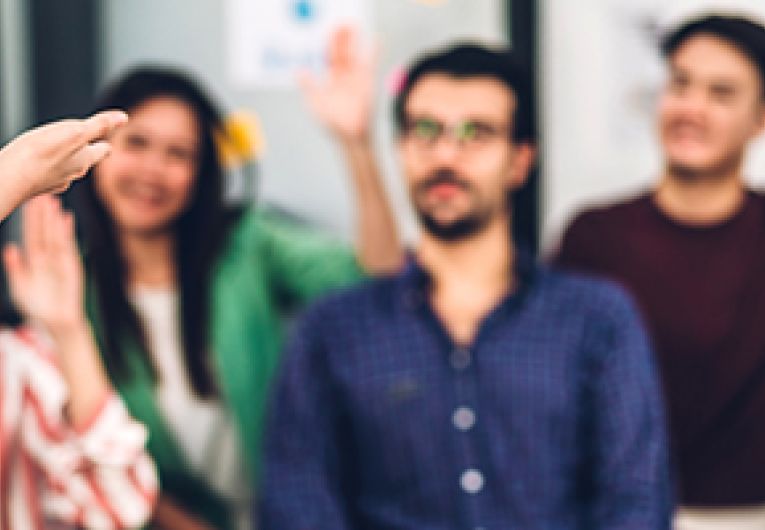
702	294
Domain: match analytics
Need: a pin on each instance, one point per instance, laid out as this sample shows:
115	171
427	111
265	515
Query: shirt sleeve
629	453
302	476
96	476
302	263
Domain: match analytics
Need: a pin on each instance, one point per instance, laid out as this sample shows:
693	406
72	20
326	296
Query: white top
202	427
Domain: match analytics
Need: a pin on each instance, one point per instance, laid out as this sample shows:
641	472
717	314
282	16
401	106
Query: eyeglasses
468	134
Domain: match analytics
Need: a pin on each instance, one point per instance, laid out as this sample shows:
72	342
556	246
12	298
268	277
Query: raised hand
46	277
48	158
343	99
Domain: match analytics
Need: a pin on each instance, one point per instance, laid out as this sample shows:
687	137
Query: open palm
343	99
46	278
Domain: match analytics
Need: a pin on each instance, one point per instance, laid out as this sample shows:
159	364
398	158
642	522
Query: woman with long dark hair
187	294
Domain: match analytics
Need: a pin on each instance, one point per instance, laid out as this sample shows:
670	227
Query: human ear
524	156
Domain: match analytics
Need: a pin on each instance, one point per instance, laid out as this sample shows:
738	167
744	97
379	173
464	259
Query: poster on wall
270	41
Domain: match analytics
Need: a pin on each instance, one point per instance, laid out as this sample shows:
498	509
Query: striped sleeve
96	476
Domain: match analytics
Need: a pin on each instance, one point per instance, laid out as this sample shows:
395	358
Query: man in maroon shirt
692	252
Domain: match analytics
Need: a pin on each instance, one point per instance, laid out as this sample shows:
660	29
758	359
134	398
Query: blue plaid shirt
552	419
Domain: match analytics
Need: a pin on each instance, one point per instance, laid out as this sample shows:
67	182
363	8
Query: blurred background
595	62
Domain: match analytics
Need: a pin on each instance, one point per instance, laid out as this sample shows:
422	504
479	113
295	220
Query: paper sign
270	41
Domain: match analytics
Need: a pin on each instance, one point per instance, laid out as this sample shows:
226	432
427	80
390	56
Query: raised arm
90	451
343	102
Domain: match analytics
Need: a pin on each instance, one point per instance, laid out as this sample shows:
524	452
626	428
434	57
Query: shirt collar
416	280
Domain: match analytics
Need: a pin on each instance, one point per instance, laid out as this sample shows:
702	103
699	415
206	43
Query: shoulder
595	298
599	313
591	237
248	224
269	220
270	230
605	215
356	302
256	223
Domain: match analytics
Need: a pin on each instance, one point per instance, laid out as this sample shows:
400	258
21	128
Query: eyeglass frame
406	132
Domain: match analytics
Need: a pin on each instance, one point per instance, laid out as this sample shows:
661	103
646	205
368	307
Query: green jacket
267	267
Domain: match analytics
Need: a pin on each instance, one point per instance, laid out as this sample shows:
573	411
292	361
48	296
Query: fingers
101	125
33	226
68	235
61	224
51	221
79	163
64	137
87	156
59	189
342	46
52	155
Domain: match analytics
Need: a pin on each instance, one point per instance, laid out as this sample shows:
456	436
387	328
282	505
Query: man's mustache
443	176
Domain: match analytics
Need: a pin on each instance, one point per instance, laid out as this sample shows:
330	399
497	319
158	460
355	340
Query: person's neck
701	201
150	259
470	277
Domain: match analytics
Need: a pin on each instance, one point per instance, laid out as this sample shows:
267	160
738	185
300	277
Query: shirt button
463	418
460	359
472	481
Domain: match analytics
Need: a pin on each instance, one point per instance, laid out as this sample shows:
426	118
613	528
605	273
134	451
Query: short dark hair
468	60
743	33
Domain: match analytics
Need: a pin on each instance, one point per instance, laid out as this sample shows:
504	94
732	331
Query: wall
601	74
301	170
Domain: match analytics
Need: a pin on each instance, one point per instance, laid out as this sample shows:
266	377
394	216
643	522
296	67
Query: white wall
301	169
601	73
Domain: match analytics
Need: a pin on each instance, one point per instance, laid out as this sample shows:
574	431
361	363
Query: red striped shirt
99	476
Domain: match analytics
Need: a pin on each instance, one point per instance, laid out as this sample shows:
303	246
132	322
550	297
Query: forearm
378	244
12	191
82	369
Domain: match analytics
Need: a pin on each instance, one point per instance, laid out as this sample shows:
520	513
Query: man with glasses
475	389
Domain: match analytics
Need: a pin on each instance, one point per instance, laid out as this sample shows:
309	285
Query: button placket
460	359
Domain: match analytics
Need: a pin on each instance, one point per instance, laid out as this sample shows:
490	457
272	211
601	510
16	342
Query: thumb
86	157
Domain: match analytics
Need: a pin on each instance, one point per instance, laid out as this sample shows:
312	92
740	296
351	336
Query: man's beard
459	229
689	174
